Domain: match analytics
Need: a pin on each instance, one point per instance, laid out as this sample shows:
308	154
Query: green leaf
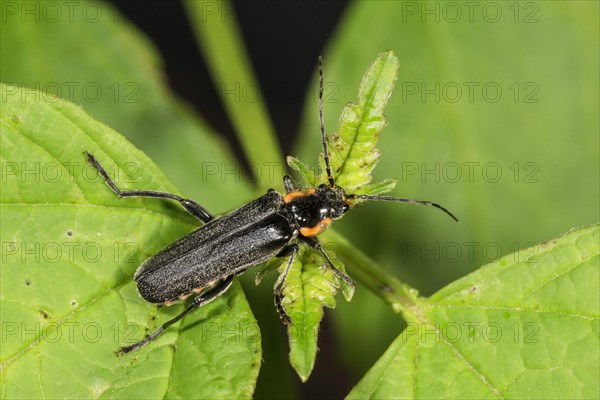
70	248
353	154
310	285
306	175
541	136
374	189
526	326
352	151
116	74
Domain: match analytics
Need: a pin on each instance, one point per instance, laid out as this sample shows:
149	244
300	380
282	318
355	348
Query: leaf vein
36	341
45	150
578	264
516	309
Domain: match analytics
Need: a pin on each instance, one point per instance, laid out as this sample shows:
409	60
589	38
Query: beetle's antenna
322	124
402	200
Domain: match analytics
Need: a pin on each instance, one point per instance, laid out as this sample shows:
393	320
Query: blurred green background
494	115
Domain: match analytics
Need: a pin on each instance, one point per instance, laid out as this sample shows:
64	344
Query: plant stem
400	296
223	47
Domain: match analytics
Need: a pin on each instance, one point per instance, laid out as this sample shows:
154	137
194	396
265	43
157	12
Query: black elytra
206	260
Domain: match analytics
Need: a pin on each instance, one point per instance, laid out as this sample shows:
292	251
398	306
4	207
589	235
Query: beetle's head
313	210
332	201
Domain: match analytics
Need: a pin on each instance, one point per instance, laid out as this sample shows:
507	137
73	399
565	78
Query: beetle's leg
277	292
202	299
289	184
314	243
191	206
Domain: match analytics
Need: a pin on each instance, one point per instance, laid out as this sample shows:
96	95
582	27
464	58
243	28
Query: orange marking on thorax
315	230
292	195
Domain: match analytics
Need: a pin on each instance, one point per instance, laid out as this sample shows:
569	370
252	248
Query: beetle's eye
322	186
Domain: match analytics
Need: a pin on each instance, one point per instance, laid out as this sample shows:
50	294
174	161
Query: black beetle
206	260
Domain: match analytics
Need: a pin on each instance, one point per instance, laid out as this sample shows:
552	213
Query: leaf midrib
142	210
366	108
